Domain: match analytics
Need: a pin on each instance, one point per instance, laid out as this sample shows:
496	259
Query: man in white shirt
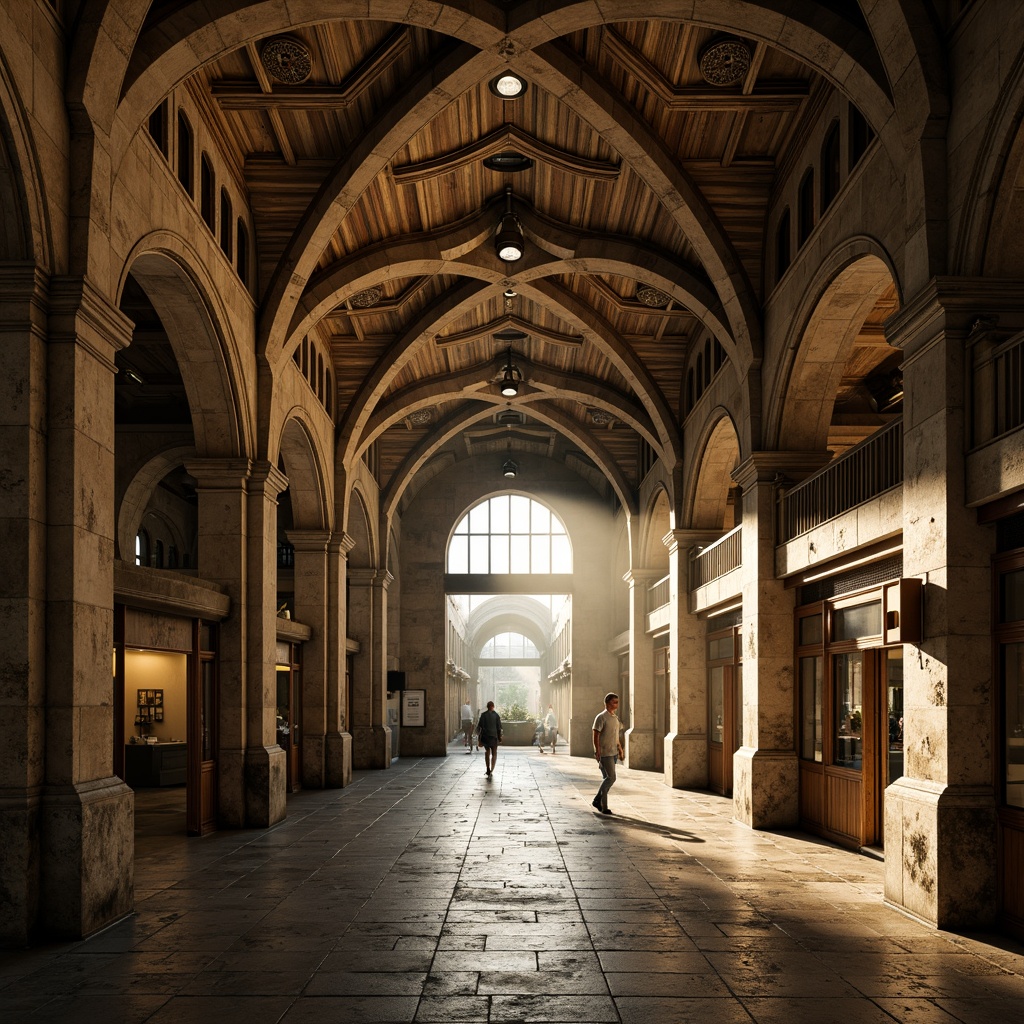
467	727
607	746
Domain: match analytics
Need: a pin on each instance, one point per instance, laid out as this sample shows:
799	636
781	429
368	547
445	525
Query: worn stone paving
430	893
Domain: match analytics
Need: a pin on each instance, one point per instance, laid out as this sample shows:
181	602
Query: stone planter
518	734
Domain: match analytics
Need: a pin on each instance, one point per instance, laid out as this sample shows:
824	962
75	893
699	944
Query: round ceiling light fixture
510	161
725	62
507	86
286	59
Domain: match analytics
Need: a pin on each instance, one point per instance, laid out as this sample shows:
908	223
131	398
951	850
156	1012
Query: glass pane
519	514
861	620
463	526
1011	593
716	705
720	649
810	630
561	554
1013	712
540	554
894	706
540	518
499	514
810	709
479	519
848	710
458	555
284	725
499	554
207	709
520	554
479	547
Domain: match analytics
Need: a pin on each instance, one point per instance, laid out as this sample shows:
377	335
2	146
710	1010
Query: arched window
142	548
509	534
207	192
783	250
507	646
805	208
859	136
226	234
158	127
185	155
830	166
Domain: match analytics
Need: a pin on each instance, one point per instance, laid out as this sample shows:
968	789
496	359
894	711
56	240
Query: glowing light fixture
508	242
509	468
510	378
507	86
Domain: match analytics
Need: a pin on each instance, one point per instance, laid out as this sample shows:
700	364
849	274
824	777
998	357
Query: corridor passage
429	893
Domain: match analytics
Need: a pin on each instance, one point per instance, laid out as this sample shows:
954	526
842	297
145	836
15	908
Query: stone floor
429	893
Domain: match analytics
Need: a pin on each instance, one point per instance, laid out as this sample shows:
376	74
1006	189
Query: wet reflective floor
430	893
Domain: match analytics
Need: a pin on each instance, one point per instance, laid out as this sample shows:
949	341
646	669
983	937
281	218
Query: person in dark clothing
489	735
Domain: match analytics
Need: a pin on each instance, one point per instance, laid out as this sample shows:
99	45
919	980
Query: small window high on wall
186	155
207	192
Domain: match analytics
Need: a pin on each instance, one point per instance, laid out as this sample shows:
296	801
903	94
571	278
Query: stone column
265	762
640	738
312	609
686	745
940	817
22	592
338	738
86	823
765	770
368	610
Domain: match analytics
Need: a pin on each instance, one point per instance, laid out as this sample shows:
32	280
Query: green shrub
514	712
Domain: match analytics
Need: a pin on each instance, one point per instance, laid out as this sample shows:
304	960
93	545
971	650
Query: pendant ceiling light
509	240
509	467
510	377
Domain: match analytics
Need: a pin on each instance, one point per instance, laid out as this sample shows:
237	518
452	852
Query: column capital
80	313
23	295
266	475
957	306
341	543
685	540
777	466
635	576
370	577
309	540
219	474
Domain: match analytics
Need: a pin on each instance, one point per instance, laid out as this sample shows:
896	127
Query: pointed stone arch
719	453
308	487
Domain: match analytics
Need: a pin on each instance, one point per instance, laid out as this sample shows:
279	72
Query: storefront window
1013	717
848	709
1011	596
810	630
810	708
857	621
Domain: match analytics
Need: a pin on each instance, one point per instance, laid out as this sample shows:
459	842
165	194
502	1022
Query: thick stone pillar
266	784
765	771
22	592
312	609
940	817
338	739
640	736
686	745
238	551
86	822
368	621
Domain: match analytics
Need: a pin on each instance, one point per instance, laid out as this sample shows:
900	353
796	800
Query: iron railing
865	471
715	560
658	594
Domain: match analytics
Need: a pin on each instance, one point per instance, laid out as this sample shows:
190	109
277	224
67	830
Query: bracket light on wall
508	242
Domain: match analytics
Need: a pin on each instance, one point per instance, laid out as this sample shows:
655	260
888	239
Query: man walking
607	746
550	729
489	736
467	726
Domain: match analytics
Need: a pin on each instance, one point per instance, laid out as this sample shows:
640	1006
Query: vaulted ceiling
649	151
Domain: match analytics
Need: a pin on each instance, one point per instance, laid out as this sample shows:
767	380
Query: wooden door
201	791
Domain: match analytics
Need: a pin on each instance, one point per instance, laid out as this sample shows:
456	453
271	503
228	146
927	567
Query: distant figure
607	746
467	727
489	736
550	734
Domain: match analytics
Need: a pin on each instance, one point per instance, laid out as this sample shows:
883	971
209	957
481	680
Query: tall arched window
509	534
830	166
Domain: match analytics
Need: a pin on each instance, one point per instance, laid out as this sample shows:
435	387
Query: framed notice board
414	708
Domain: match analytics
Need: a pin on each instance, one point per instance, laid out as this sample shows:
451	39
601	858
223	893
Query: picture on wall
150	706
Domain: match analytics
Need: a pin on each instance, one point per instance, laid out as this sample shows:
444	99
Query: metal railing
998	390
658	594
865	471
715	560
